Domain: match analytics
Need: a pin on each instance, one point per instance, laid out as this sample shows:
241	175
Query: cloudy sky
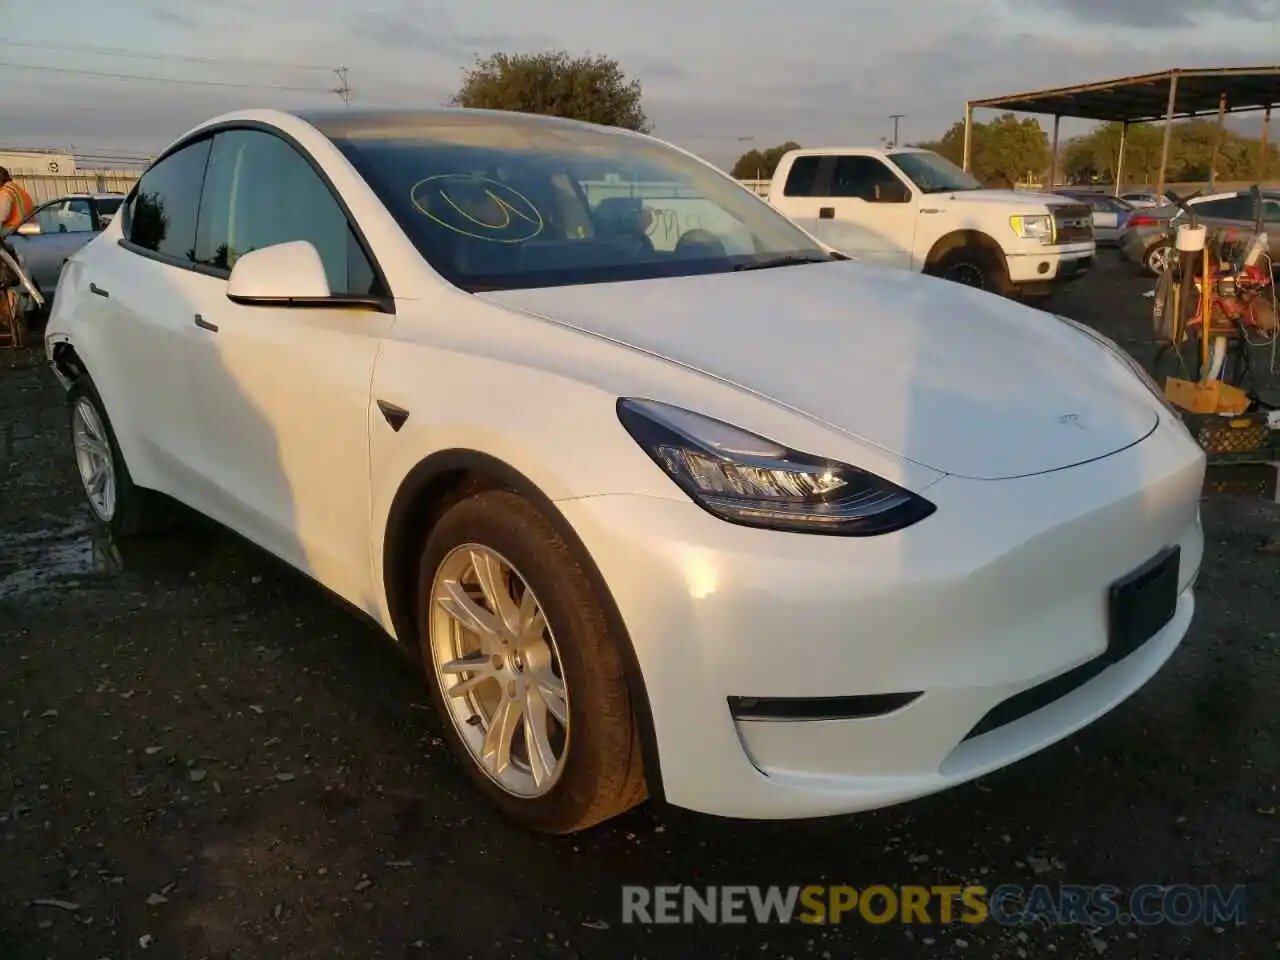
713	71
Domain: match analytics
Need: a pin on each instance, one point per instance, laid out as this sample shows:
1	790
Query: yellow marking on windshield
509	202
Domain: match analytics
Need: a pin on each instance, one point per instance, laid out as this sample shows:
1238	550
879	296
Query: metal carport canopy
1169	95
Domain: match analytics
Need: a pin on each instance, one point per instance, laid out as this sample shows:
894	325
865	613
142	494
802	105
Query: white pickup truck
916	210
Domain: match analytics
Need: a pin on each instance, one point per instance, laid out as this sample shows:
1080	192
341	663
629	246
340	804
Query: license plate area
1142	603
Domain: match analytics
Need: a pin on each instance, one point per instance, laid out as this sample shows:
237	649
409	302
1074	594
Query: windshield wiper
786	262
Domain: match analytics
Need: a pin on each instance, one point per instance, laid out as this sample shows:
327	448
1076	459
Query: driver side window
259	192
860	177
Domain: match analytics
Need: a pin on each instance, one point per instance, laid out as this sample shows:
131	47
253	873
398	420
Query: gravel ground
200	756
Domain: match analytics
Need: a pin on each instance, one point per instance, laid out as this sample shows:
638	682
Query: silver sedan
57	229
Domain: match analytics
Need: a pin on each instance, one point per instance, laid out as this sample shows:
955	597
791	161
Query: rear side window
162	212
1226	208
802	180
261	191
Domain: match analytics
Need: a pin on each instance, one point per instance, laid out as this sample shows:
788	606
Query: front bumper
1001	590
1047	264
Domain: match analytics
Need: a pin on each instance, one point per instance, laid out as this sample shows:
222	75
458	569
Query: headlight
1126	358
1037	226
749	480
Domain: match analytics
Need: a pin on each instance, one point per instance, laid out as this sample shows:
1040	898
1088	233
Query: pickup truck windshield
933	173
497	204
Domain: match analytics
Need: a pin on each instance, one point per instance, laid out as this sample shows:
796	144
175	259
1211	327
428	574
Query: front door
283	392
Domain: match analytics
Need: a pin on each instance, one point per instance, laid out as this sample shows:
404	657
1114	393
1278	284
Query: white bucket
1191	239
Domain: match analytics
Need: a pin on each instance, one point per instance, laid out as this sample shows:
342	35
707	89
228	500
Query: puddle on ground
34	561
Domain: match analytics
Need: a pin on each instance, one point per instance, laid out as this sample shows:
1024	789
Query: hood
1008	198
951	378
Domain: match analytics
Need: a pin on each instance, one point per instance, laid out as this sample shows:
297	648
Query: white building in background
33	162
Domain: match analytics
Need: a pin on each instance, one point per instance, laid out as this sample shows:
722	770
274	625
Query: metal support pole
1053	165
1217	140
1124	138
968	137
1168	132
895	117
1262	145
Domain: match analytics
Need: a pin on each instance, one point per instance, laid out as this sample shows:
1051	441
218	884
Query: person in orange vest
15	202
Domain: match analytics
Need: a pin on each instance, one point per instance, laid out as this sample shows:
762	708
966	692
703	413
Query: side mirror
892	191
30	228
282	275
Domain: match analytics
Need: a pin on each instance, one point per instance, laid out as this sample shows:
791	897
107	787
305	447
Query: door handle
827	213
204	324
97	290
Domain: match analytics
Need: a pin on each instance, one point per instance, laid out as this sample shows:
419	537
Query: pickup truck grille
1073	223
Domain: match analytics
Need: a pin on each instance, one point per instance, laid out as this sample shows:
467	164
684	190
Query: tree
1095	155
1006	148
590	88
760	164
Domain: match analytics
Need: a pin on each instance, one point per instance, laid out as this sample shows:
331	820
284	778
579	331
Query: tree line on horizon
596	89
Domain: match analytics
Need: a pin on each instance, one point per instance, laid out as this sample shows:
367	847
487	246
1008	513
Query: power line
181	58
131	76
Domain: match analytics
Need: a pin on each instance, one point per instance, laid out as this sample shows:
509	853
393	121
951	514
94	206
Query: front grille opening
1042	695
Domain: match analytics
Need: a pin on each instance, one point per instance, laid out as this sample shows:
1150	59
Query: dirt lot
200	756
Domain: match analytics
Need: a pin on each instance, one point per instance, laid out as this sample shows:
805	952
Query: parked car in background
685	506
57	229
1109	213
1145	200
1147	238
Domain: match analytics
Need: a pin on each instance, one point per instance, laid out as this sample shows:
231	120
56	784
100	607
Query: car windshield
107	206
933	173
496	204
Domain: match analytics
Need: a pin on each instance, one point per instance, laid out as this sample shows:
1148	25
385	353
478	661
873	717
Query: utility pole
895	117
343	89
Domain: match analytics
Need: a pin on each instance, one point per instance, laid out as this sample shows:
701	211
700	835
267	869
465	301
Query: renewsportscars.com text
1008	905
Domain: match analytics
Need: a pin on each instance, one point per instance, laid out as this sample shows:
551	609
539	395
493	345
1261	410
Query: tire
1158	253
974	266
598	772
130	510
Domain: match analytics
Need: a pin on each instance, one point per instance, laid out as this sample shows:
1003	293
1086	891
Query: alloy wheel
499	669
93	459
1159	259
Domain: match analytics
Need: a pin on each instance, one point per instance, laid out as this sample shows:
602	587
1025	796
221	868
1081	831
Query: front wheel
974	266
523	665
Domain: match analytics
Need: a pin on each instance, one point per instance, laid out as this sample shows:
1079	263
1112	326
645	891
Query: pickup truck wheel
973	266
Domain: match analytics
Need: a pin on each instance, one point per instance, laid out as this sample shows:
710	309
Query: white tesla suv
668	499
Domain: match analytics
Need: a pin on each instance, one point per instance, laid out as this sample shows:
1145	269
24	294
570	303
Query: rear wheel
524	668
114	499
1158	257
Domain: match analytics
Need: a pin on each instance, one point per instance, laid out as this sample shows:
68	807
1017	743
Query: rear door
150	286
1105	217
